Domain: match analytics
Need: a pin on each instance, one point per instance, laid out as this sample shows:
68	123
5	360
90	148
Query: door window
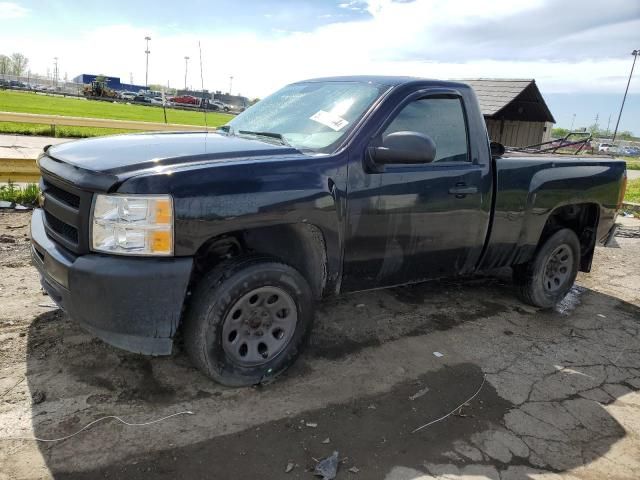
442	119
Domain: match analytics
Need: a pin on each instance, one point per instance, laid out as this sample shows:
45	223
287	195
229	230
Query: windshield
308	116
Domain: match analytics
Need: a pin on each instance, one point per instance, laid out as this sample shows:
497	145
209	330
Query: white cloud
424	38
10	10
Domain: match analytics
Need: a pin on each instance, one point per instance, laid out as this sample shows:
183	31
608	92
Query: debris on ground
327	468
289	467
311	425
354	470
38	397
326	440
419	393
7	239
438	354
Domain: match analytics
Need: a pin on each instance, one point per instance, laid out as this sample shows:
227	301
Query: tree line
16	64
595	130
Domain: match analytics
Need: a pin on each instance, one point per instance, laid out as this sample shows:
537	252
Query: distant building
514	110
112	82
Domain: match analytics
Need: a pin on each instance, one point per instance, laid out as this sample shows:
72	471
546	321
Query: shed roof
511	99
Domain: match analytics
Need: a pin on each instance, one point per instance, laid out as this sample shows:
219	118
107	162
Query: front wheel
546	279
248	320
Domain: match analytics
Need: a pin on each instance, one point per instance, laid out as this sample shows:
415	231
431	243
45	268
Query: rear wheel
248	320
546	280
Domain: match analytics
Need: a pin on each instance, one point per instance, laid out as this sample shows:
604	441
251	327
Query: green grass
633	163
26	195
29	102
65	132
633	191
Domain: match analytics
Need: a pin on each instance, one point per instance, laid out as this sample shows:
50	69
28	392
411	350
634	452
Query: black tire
535	285
218	292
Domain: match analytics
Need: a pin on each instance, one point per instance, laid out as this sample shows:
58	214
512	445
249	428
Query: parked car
325	187
629	151
217	105
128	95
186	100
141	99
607	148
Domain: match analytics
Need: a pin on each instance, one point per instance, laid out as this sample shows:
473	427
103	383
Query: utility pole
608	124
186	63
635	54
130	78
147	52
55	70
230	83
572	120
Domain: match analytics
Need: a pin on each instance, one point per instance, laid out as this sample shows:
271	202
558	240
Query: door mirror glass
405	147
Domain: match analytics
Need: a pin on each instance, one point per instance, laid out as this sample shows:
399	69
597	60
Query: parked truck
328	186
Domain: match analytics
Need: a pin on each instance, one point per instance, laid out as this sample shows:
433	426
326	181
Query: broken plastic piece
438	354
327	468
419	393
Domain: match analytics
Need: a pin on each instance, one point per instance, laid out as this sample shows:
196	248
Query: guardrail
60	120
21	170
25	170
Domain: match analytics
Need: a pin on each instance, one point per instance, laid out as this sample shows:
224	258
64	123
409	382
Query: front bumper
130	303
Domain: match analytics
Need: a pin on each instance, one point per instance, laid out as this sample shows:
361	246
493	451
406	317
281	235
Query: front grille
67	231
66	213
62	195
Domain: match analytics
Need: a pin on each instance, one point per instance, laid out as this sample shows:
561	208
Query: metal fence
42	84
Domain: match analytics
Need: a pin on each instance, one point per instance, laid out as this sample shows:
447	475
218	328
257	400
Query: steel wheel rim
259	326
558	269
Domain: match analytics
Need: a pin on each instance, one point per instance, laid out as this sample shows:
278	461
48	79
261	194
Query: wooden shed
514	110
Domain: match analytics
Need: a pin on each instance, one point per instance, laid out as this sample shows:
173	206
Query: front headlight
132	225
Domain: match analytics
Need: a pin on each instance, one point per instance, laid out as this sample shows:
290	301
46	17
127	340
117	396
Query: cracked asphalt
560	400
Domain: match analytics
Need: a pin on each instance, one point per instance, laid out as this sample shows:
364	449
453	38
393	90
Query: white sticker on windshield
334	122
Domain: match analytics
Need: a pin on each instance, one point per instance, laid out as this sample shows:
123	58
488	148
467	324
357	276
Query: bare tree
5	65
19	63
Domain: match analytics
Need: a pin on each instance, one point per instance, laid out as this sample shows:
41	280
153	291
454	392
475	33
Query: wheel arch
583	219
300	245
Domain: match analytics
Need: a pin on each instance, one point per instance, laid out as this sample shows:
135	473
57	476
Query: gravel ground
559	390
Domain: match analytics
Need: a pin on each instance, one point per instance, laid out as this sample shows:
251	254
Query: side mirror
497	149
405	147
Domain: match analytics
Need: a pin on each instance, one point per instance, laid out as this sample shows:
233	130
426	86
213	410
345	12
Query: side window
440	118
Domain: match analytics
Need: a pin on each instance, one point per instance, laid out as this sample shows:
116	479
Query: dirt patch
561	392
371	433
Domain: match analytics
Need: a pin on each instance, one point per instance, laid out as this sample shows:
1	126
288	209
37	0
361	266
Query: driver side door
412	222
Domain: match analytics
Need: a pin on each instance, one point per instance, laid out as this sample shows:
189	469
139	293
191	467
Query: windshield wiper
275	135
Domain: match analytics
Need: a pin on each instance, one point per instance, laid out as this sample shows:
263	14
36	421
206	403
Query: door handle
461	189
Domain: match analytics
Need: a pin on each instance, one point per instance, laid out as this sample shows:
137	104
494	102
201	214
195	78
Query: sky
578	51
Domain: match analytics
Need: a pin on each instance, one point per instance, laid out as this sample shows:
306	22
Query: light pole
186	63
572	120
230	83
55	70
635	54
146	70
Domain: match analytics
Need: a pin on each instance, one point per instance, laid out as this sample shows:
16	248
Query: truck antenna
204	105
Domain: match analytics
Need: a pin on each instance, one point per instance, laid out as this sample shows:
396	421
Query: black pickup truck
327	186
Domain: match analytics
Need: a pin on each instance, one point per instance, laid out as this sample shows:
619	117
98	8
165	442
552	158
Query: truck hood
122	154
